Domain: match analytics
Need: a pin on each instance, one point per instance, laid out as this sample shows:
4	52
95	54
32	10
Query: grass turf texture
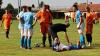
11	47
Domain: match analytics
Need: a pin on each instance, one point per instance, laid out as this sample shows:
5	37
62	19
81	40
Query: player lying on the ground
58	46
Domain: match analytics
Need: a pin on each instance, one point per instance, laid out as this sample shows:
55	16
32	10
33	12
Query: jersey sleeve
20	14
3	17
79	14
34	15
38	15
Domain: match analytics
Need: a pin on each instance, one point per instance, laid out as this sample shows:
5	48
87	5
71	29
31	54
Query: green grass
11	47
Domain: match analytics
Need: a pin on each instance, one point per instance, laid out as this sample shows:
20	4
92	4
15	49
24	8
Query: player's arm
51	17
2	21
11	19
35	20
66	37
18	18
81	21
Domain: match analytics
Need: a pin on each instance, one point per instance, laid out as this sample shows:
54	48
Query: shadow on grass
96	45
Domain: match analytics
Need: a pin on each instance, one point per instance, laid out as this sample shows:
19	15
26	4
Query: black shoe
30	48
25	47
44	46
7	37
50	46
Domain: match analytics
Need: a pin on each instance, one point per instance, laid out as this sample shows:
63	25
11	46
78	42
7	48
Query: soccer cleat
89	44
44	45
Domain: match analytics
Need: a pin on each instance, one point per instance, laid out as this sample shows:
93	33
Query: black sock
50	41
7	33
43	39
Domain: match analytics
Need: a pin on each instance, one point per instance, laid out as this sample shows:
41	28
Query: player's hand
32	25
11	23
0	25
78	27
69	43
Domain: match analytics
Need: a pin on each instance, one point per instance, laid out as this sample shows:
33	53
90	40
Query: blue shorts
72	47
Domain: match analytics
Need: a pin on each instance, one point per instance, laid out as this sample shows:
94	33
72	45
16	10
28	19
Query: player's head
67	24
47	7
88	9
75	7
56	41
24	8
7	11
44	7
29	9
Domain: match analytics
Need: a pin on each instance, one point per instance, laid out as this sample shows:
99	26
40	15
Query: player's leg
43	39
82	38
42	25
7	31
22	38
49	36
26	36
50	40
89	39
30	32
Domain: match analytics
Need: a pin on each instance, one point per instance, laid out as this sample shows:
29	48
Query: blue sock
25	42
29	42
22	41
82	39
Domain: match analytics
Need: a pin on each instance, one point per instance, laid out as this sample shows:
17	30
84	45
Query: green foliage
0	2
10	8
41	4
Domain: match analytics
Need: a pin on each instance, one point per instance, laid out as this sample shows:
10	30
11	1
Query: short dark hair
29	8
76	6
24	7
88	8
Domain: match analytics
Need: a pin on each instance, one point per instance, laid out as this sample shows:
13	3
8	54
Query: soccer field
11	46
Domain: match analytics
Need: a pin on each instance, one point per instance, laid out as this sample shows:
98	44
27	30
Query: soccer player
73	16
45	19
58	46
80	24
21	25
6	18
28	27
55	28
89	26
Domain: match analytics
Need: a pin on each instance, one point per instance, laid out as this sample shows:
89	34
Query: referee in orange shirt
45	19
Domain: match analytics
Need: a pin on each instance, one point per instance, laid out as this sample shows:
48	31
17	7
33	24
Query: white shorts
81	30
22	32
62	47
28	32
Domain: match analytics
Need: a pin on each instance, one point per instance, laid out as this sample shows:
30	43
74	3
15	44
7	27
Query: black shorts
53	33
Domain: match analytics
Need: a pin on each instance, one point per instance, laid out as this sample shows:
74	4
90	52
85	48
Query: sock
7	32
29	42
82	40
50	41
44	39
22	41
25	42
